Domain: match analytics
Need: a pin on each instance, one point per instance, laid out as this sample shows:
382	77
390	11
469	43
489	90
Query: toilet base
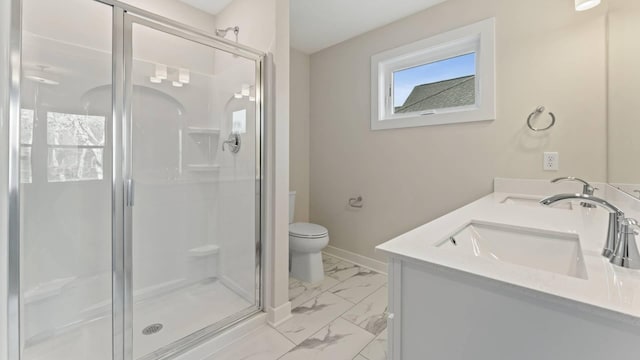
307	266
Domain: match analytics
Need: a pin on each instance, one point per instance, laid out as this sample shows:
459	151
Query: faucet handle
234	141
587	189
626	254
569	178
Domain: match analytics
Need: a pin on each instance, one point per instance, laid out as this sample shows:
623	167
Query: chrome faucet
615	217
587	189
626	254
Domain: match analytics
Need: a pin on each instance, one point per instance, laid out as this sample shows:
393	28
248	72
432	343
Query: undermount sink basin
534	202
555	252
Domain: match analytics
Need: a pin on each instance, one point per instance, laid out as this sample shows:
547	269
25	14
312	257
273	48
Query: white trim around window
478	38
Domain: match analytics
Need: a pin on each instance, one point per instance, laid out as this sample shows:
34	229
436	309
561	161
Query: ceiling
318	24
210	6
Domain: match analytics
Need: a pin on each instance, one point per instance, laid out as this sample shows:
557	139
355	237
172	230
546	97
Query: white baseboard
276	316
357	259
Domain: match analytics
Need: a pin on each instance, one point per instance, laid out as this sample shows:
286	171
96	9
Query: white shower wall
175	209
237	202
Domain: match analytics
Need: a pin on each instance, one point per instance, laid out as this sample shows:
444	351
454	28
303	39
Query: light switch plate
551	161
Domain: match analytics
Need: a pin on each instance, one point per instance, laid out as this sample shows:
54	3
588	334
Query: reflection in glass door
65	181
193	160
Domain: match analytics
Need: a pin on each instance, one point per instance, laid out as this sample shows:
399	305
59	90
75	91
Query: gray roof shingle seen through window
440	95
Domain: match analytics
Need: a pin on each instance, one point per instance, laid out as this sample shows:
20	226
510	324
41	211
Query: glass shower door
193	194
65	144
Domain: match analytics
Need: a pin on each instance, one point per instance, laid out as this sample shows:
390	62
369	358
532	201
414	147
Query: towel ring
538	111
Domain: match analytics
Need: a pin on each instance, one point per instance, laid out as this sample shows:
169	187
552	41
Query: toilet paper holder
356	202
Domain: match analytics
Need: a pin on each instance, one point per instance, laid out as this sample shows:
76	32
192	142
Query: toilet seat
307	231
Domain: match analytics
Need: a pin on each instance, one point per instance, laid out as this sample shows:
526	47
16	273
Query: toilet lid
306	230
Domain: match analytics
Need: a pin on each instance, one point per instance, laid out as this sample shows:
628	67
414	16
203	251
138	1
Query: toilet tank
292	205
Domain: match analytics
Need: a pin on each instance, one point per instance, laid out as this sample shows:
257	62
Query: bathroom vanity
507	278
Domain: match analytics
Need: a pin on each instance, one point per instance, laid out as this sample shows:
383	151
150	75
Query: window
26	145
442	84
448	78
75	147
239	123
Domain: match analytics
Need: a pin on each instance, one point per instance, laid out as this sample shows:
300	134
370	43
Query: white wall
299	137
280	296
177	11
256	20
624	87
547	54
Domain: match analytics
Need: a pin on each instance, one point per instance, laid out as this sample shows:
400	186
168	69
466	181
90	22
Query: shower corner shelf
200	148
203	167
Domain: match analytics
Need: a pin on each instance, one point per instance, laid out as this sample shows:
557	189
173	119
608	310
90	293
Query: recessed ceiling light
155	80
176	83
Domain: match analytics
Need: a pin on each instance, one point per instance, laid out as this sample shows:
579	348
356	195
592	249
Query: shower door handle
131	192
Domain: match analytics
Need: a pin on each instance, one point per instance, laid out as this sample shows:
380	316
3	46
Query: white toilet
306	242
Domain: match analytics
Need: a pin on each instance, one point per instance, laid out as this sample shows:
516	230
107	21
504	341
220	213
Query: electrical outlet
551	161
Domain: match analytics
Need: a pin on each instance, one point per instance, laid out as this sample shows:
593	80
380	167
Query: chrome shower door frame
12	310
124	16
125	202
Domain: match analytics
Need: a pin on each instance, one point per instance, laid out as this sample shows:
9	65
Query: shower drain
152	329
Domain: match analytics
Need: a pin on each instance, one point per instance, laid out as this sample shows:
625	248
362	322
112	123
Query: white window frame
478	38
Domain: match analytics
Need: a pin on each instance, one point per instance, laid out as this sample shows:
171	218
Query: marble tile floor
340	318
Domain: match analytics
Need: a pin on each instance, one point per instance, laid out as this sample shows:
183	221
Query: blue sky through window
405	80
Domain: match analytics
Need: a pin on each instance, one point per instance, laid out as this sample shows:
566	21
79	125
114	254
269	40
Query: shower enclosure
136	164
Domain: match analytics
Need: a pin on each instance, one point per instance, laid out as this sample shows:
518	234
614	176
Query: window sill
436	118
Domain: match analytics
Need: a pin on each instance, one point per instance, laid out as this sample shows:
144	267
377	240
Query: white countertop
612	289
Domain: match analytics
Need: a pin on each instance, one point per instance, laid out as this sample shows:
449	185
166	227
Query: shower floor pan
179	313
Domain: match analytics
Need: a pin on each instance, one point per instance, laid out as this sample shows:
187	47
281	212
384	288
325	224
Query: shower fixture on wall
223	32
